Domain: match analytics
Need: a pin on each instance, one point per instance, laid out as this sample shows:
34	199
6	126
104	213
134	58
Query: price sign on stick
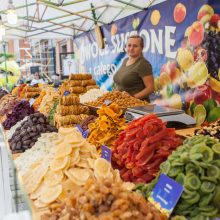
106	153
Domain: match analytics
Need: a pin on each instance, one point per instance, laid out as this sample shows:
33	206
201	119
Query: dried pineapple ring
66	131
62	150
59	163
38	191
102	168
51	194
39	204
53	178
78	176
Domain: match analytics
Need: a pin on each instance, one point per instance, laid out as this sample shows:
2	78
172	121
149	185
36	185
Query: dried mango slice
51	194
53	178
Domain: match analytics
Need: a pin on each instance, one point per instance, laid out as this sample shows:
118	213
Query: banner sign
177	37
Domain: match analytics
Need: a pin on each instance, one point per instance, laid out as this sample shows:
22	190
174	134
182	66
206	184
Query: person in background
37	79
135	74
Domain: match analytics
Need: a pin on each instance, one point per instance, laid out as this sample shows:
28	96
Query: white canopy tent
46	19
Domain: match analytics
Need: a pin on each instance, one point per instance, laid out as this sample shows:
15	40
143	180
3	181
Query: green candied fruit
206	199
192	182
216	148
207	187
213	171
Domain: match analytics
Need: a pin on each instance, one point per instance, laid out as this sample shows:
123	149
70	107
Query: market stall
88	150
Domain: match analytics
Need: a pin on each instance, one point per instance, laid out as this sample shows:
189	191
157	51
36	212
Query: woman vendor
135	74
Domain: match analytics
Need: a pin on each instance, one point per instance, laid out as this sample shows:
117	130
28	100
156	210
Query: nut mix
123	99
106	200
212	130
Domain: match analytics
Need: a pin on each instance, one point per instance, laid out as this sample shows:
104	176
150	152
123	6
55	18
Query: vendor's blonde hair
139	37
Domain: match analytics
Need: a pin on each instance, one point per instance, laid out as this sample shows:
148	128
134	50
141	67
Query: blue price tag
166	194
66	93
85	133
31	101
80	129
106	153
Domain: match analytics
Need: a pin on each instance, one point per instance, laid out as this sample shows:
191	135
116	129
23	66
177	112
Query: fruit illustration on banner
205	13
179	13
197	75
200	54
135	23
196	34
199	114
155	17
192	81
201	94
214	115
184	58
214	84
114	29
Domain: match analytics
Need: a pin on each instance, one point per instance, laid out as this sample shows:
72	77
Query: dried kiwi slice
216	199
195	156
174	171
179	217
207	154
206	199
216	163
211	213
213	171
184	157
165	167
207	187
199	217
216	148
192	182
193	200
210	179
180	178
